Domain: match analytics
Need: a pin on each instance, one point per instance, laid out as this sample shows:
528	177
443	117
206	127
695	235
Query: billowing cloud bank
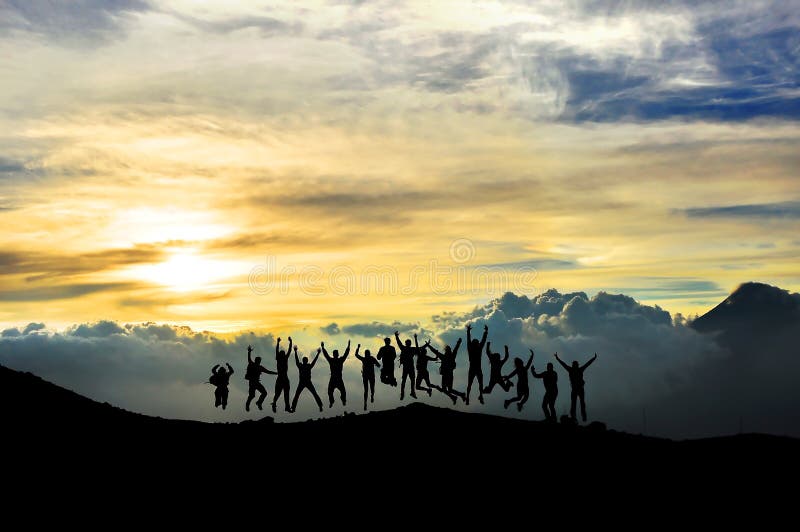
649	364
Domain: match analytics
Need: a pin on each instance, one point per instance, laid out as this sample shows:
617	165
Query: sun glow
184	271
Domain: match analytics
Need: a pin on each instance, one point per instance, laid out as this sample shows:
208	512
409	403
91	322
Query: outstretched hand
485	327
469	326
290	338
318	350
279	340
295	349
322	344
531	350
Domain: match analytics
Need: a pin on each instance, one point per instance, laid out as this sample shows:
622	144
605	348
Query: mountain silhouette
754	316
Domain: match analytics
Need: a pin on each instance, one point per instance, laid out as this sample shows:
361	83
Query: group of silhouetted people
414	360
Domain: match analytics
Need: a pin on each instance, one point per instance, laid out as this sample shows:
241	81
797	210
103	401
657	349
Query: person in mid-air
368	363
407	353
550	379
521	371
253	377
304	379
282	380
446	369
336	363
496	370
474	351
576	382
422	368
387	355
220	378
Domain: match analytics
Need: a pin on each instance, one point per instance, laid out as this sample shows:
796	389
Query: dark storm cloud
330	329
783	209
75	19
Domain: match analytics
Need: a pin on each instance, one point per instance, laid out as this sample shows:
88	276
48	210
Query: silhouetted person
407	353
304	380
220	378
523	391
368	363
496	370
387	354
253	377
576	383
282	380
336	363
550	379
422	368
475	350
446	369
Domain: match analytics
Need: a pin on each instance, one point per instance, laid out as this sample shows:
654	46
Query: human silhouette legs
255	387
577	394
337	385
423	377
583	405
548	405
281	387
310	386
408	375
473	375
504	384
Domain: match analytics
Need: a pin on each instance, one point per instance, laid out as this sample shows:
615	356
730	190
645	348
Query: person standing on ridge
387	355
368	363
576	382
407	353
220	378
304	380
474	351
550	379
253	377
446	369
282	380
496	370
521	371
336	382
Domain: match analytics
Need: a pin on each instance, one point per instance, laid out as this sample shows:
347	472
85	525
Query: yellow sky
163	171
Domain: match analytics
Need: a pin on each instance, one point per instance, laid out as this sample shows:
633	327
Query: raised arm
505	358
589	363
397	339
324	351
296	360
214	369
438	353
357	355
416	343
561	362
249	351
347	351
290	345
455	349
488	348
315	359
278	347
530	362
230	368
485	334
469	334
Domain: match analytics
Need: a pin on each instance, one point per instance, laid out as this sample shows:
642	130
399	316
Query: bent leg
297	394
315	394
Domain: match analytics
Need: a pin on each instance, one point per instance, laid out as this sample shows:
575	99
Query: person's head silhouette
475	342
575	364
549	366
335	353
367	353
387	341
408	343
519	363
305	360
257	360
447	349
282	353
423	350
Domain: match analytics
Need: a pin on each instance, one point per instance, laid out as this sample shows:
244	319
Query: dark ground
55	439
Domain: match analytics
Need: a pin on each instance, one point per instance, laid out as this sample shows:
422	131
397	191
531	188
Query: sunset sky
161	161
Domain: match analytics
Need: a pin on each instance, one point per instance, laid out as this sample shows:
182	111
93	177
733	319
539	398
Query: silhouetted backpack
214	379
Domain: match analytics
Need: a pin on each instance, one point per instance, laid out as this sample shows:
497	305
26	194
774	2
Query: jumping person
576	382
550	379
368	364
475	350
496	371
282	380
304	380
407	362
521	371
337	382
422	367
387	354
446	369
253	377
220	378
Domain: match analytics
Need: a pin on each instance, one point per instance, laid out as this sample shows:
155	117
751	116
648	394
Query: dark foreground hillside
57	434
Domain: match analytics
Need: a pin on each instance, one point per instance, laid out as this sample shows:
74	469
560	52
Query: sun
183	271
